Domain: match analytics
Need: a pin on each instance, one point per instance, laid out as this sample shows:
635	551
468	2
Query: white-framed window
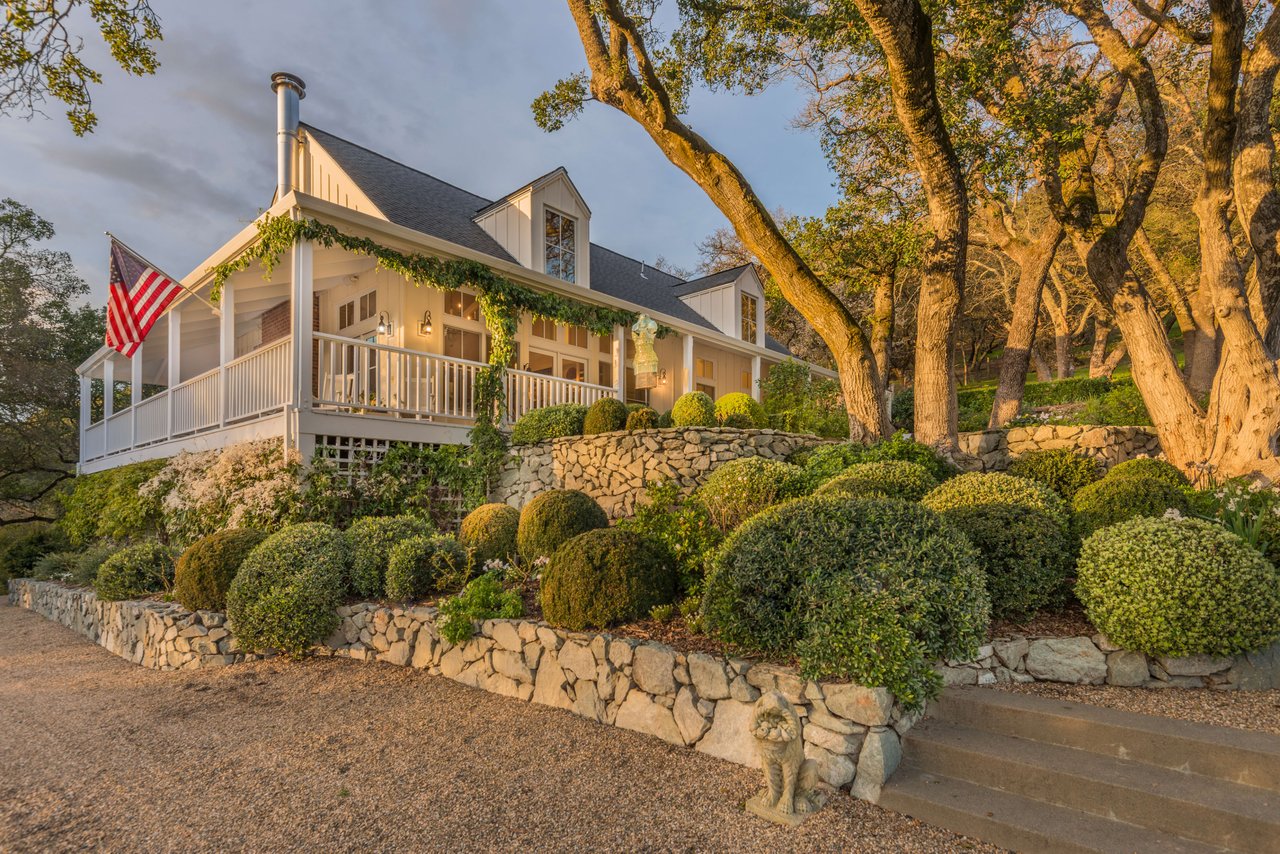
573	369
606	373
708	390
463	343
606	344
347	315
369	305
576	336
543	328
746	381
749	325
635	395
560	245
541	363
704	369
462	304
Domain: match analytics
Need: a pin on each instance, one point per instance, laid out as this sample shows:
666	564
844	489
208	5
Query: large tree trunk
1193	312
905	35
624	76
1044	371
1034	261
882	324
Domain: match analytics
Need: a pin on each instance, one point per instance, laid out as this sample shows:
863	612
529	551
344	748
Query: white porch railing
257	381
152	423
197	403
357	376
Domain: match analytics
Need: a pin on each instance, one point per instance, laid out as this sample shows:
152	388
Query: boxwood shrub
208	565
605	577
742	408
286	592
135	572
643	418
1025	552
978	488
490	532
549	422
421	564
1151	468
1117	499
693	409
824	462
554	517
874	591
606	415
372	539
743	487
885	479
1062	470
1175	587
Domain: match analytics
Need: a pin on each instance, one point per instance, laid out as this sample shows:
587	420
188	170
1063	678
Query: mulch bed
1067	623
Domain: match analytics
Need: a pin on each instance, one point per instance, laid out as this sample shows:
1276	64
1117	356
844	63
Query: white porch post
226	344
755	377
108	392
173	363
300	393
620	362
135	393
86	412
687	359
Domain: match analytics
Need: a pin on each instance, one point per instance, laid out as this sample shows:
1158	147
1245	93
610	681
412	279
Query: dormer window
749	327
560	245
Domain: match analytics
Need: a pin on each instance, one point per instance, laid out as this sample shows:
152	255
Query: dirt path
329	755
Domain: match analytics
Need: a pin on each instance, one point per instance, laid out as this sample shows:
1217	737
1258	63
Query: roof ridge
741	266
679	281
382	156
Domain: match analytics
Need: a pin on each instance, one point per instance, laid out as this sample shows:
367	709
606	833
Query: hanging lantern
646	358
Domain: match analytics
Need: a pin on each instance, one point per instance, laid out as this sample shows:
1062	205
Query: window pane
606	373
606	344
567	227
453	303
568	270
553	261
573	370
708	390
541	363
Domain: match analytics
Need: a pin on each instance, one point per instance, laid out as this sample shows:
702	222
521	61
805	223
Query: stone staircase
1041	775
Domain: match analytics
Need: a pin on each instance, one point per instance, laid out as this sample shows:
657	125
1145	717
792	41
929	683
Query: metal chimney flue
290	90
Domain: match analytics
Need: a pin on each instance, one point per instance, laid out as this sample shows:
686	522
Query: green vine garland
501	300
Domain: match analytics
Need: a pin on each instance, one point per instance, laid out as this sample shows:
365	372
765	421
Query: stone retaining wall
613	467
697	700
993	450
1096	661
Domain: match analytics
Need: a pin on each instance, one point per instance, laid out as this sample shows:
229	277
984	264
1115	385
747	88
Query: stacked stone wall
993	450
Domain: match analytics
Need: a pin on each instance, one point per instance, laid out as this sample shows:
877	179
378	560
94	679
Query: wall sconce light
424	325
662	377
384	323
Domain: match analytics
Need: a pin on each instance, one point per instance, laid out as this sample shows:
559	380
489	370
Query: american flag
137	295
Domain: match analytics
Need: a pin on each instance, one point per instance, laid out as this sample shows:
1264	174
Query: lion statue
791	781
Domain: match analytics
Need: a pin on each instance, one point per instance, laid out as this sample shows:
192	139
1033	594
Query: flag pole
217	311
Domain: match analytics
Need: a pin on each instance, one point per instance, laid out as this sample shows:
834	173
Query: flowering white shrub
250	485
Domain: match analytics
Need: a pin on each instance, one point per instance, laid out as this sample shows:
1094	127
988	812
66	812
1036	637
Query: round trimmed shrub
875	591
885	479
549	422
1025	552
742	408
372	539
135	572
743	487
206	568
1063	471
664	420
490	532
288	589
606	415
1175	587
605	577
1151	468
1118	499
826	461
979	488
643	418
553	517
418	564
693	409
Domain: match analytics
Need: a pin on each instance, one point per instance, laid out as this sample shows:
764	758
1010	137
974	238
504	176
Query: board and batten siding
320	176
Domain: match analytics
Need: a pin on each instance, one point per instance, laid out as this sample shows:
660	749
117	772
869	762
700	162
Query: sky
182	160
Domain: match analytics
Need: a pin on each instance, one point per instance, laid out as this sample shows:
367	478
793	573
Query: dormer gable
319	175
546	226
731	300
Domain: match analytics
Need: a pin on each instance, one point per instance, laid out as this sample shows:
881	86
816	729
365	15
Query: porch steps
1042	775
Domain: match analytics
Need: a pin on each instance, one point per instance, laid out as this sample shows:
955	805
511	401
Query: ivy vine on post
502	302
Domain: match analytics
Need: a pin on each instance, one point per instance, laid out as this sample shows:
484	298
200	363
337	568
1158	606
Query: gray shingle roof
715	280
424	203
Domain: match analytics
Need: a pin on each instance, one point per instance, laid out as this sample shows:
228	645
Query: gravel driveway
329	755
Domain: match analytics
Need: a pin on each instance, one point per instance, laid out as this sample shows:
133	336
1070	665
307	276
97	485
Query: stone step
1019	823
1191	806
1236	756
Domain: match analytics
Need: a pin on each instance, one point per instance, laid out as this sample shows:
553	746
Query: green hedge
873	591
980	488
742	408
419	565
135	572
554	517
693	409
1176	587
1151	468
108	505
205	570
490	532
1063	471
1117	499
286	594
22	548
606	415
743	487
549	422
372	539
605	577
884	479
